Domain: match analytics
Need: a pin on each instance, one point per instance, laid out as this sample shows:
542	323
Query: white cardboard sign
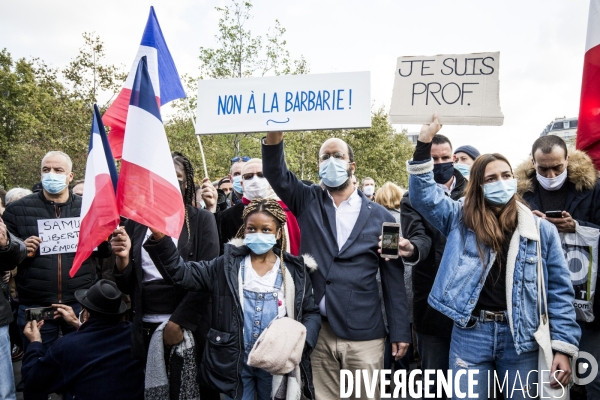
59	235
463	89
284	103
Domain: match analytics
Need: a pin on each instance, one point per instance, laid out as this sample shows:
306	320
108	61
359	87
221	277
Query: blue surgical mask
464	169
237	184
260	243
501	191
54	183
333	172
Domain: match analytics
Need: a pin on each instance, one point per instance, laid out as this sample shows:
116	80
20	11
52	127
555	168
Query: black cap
103	297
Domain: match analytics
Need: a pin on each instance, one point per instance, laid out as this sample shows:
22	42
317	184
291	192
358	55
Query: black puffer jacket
43	280
223	353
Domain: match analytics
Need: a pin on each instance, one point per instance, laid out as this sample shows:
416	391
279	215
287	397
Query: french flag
99	214
163	74
148	190
588	127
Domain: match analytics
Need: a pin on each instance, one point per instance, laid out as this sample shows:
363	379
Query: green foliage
240	54
42	110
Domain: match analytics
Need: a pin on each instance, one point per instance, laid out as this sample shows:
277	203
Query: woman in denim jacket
487	280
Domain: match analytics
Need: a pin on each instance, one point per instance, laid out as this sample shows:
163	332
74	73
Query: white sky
541	44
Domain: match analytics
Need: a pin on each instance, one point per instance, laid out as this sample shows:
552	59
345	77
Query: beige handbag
542	337
279	347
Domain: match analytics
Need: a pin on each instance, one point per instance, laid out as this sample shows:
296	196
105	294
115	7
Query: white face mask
369	190
256	188
552	184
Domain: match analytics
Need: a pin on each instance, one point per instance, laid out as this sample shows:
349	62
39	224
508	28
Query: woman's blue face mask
501	191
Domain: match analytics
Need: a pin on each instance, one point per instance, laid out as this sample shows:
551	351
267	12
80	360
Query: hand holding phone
390	236
553	214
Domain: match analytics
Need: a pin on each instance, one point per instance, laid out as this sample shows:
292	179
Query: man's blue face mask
54	183
333	172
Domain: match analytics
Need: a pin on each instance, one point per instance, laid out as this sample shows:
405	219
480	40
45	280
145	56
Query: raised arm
425	196
191	275
295	194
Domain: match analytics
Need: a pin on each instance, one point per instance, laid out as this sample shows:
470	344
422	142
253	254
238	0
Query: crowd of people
277	284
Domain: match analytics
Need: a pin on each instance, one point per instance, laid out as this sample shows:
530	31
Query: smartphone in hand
390	237
553	214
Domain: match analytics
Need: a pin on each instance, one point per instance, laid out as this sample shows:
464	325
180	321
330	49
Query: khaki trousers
332	354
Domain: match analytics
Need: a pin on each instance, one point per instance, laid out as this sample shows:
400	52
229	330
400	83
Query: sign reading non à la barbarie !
284	103
463	89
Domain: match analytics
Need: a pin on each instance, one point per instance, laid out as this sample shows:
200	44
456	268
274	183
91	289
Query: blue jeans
488	347
590	343
256	382
435	352
7	378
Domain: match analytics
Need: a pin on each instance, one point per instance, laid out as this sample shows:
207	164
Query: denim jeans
489	348
7	378
590	343
435	352
257	382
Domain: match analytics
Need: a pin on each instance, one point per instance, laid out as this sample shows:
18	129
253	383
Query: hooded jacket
221	277
583	196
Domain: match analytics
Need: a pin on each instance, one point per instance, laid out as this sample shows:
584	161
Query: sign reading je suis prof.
284	103
463	89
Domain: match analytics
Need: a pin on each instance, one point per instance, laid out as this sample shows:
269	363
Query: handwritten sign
284	103
464	89
59	235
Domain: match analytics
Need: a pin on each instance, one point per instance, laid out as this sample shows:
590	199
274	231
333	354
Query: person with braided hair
251	284
155	300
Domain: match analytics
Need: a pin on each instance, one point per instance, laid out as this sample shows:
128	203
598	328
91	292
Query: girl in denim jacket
487	280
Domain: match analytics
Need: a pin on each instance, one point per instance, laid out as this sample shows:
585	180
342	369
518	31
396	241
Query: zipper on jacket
240	330
57	214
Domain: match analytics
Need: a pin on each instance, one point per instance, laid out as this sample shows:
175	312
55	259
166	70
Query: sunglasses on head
250	175
243	158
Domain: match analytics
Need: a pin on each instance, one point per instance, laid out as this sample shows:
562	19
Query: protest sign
463	89
284	103
59	235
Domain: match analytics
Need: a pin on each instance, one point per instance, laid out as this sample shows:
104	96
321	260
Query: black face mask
443	172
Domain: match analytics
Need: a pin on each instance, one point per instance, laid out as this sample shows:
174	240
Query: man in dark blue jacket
340	229
94	362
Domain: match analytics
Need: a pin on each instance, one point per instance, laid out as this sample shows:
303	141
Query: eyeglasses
250	175
338	154
243	158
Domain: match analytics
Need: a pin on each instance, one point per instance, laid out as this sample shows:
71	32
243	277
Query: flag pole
187	103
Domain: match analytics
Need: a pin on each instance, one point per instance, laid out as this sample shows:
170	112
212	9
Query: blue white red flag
163	74
99	214
588	126
148	191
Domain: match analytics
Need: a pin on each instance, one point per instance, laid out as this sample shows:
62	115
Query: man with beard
343	229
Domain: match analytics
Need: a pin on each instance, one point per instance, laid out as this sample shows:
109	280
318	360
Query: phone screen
39	314
390	238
